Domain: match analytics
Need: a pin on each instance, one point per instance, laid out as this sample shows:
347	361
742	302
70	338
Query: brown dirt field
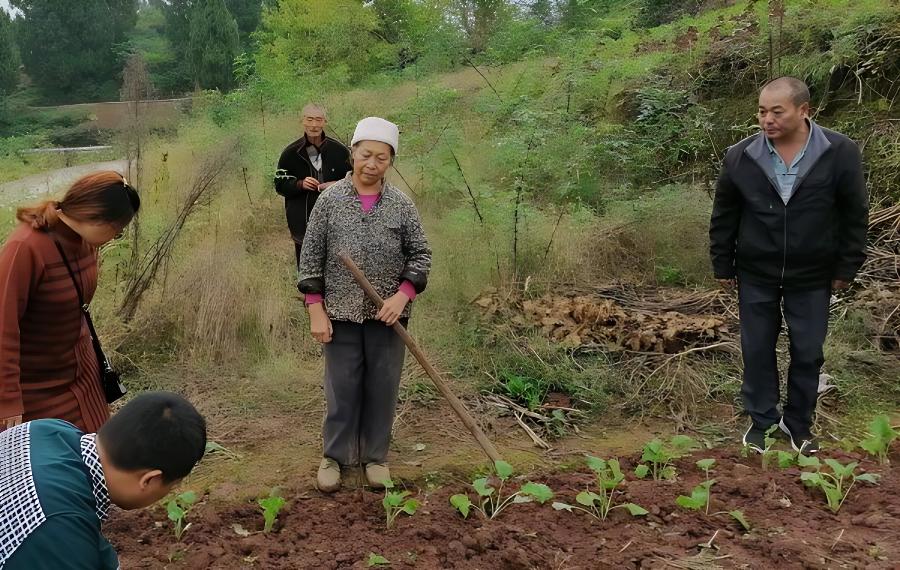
791	527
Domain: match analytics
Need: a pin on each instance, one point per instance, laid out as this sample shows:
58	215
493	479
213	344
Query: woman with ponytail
48	366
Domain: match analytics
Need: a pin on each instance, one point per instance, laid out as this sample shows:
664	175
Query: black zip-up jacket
294	165
818	236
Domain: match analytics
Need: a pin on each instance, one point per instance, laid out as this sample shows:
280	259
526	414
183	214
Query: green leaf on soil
683	443
411	506
175	512
698	498
706	464
539	491
805	461
785	459
641	471
595	463
869	478
482	488
739	517
462	504
587	498
376	560
636	510
562	506
504	469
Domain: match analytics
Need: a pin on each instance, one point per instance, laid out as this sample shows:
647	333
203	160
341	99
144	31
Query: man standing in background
308	166
788	227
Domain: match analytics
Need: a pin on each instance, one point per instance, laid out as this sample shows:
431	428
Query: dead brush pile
617	318
673	351
880	277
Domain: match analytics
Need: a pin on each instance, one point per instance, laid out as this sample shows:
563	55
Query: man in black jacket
788	227
308	166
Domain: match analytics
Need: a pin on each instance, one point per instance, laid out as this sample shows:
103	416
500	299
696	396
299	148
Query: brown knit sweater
48	368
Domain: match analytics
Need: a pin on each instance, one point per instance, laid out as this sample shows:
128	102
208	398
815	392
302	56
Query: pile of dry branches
619	318
880	277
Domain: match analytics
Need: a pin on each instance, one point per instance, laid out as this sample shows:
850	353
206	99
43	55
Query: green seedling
376	560
699	498
882	435
769	453
740	518
271	506
786	459
599	505
178	508
837	484
658	456
396	502
491	501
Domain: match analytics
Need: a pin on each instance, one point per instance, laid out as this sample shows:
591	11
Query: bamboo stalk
435	376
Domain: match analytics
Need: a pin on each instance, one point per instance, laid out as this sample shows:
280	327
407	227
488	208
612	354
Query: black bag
110	380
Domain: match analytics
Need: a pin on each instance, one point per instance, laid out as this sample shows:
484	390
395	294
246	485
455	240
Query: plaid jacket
387	243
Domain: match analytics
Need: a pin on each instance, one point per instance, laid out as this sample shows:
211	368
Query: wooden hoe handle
435	376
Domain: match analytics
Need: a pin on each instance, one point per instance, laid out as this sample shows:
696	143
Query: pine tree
70	48
9	56
247	14
214	43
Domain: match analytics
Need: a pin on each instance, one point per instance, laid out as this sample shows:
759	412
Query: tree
70	48
479	18
178	25
542	10
214	43
321	42
247	14
420	32
9	56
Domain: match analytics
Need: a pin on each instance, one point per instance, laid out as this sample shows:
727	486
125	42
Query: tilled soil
791	527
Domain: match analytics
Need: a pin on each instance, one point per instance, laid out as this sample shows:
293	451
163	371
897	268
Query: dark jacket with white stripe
818	236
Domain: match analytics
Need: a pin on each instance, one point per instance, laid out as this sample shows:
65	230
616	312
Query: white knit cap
376	129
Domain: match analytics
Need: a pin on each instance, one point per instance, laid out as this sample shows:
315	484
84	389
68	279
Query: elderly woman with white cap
379	227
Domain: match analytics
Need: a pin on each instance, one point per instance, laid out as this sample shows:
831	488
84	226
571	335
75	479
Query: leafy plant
599	505
491	501
837	484
882	435
178	508
271	506
396	502
769	453
700	494
739	517
660	455
376	560
523	388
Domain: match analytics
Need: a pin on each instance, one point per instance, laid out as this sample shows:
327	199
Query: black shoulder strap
95	340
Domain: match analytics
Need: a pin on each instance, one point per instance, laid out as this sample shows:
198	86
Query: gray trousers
363	365
806	314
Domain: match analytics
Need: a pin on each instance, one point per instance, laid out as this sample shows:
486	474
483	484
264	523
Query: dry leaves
593	321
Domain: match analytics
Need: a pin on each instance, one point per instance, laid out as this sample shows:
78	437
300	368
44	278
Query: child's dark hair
155	430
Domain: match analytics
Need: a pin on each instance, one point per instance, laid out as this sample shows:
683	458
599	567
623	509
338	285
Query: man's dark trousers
806	313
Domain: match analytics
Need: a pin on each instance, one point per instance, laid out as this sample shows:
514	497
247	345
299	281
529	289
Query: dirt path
52	181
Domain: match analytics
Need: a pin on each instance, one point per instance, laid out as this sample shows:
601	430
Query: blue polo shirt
786	174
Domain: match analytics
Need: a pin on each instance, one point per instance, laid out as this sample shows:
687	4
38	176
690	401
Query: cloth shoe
328	479
807	444
755	438
377	474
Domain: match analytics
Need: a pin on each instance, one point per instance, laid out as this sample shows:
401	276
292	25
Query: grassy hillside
588	164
